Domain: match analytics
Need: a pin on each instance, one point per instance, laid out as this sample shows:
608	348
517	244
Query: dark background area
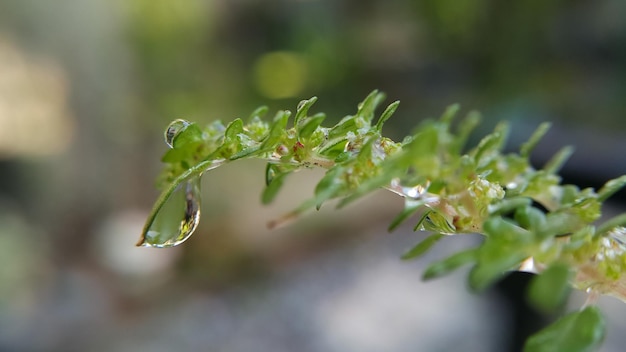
87	87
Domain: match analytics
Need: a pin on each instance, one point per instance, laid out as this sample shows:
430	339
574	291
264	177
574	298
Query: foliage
528	218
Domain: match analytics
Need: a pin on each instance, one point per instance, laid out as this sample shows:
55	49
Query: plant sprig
529	219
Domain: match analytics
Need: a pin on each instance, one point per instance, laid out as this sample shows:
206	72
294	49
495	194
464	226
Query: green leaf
333	148
611	187
277	130
530	218
303	109
274	185
271	170
422	247
386	115
368	106
233	129
492	265
231	143
259	112
449	113
503	250
181	153
246	153
491	144
560	223
443	267
581	331
529	145
465	128
343	157
341	129
425	142
508	205
310	125
406	213
368	186
330	185
503	231
569	195
618	220
437	222
558	160
549	290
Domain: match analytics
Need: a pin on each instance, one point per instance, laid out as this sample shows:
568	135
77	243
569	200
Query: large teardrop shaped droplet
177	218
173	130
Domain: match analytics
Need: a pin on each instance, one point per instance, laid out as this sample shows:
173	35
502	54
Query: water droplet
511	185
177	218
592	296
413	192
173	130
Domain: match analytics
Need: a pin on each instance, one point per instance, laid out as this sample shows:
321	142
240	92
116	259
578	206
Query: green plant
528	218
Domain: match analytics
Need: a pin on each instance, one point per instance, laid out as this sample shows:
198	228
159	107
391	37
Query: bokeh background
87	87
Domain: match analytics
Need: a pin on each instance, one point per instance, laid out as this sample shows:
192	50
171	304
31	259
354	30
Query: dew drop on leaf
301	105
177	219
173	130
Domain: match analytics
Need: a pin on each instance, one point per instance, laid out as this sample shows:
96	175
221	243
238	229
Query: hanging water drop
176	219
417	192
173	130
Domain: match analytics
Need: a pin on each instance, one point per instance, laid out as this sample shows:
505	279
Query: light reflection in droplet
177	219
173	130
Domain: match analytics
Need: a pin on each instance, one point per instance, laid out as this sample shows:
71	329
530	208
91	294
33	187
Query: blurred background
87	87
